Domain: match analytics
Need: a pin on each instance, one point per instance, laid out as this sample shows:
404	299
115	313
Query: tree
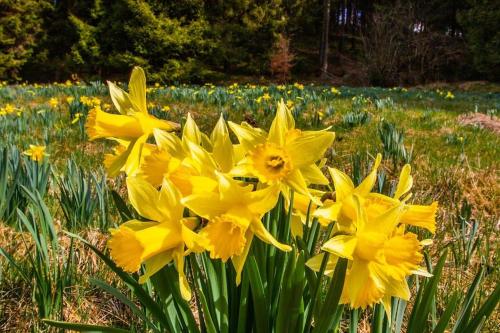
325	35
481	24
20	23
281	59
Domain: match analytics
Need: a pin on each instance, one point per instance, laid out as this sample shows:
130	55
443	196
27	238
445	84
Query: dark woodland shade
378	42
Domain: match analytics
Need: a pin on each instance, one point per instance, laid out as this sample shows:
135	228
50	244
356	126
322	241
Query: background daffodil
133	125
36	153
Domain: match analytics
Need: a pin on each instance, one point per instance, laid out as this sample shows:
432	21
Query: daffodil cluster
205	193
370	232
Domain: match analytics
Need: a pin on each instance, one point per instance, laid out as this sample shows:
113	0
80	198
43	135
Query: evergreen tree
481	24
20	23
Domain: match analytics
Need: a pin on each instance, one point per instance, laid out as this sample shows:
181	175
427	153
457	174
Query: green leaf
84	327
123	210
418	318
465	313
120	296
326	319
485	311
260	302
446	316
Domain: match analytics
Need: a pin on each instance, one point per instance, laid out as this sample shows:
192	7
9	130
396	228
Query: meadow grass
452	163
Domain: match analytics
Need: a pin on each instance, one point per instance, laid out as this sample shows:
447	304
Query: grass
452	163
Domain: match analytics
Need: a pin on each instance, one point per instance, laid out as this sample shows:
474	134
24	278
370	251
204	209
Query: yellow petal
314	263
194	241
296	226
387	222
405	182
309	147
421	216
341	245
387	303
121	99
134	158
154	264
137	89
261	232
342	183
329	212
239	261
201	158
367	184
129	248
399	289
206	204
376	204
191	132
169	142
183	282
313	175
205	142
282	123
422	272
247	135
261	201
222	148
199	184
114	163
145	199
297	182
360	290
101	124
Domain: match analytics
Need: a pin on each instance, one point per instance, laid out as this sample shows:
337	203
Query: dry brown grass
82	302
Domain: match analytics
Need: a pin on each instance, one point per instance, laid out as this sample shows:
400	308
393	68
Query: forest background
358	42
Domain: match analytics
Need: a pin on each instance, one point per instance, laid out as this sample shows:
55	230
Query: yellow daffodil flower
234	216
423	216
37	153
53	102
165	237
133	124
343	209
380	255
182	161
285	156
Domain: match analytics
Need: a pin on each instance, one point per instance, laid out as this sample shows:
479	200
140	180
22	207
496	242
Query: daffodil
165	237
285	156
184	160
381	256
423	216
133	124
36	153
234	216
343	210
53	102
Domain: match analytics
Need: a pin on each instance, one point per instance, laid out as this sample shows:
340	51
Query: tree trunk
323	50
